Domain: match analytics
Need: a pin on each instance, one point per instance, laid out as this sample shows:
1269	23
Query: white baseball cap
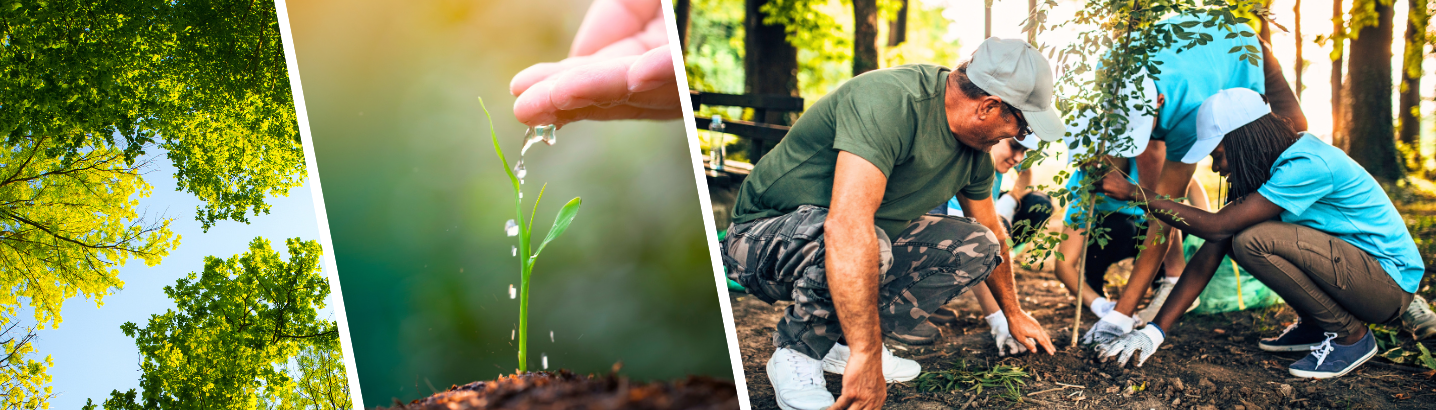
1228	110
1017	73
1139	124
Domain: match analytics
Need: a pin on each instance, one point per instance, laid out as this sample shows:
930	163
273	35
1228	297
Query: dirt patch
565	390
1208	362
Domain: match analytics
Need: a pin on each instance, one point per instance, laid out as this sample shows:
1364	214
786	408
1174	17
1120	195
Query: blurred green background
417	202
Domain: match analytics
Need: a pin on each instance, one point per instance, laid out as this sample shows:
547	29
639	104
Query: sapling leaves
560	223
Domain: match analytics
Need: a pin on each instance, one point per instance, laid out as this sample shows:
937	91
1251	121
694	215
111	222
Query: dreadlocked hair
1252	149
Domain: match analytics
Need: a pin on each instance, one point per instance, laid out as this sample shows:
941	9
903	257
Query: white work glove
1112	325
1146	340
1007	206
1005	342
1101	306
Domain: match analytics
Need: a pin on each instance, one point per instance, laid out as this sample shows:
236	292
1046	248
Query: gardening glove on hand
1146	340
1112	325
1007	206
1005	342
1101	306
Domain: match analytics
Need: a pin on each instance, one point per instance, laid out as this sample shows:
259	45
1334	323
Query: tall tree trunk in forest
1370	138
1408	109
865	36
1338	125
680	13
771	62
1265	31
897	29
1300	63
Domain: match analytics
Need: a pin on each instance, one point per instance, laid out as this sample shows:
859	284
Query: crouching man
834	218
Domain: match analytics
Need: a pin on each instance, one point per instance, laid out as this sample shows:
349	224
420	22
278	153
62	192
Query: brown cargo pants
1329	282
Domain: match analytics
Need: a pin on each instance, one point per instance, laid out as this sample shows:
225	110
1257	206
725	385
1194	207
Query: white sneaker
895	369
798	381
1164	288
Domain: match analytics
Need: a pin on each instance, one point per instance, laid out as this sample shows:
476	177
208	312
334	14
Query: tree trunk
865	36
1370	137
680	13
1408	111
987	19
1300	63
897	29
1338	125
771	63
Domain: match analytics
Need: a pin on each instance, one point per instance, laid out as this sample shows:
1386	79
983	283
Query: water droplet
513	293
515	250
511	228
521	194
531	136
519	170
512	333
550	336
548	136
545	362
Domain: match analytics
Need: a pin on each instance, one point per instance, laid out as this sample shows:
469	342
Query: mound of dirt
565	390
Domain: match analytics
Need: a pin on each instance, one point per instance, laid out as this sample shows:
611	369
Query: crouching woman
1304	219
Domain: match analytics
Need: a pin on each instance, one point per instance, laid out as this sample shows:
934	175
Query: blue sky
91	355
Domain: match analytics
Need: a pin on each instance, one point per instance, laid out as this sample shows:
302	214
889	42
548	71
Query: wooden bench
769	110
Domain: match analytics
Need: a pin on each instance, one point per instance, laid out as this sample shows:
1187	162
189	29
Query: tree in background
865	36
1408	109
22	379
236	329
1370	137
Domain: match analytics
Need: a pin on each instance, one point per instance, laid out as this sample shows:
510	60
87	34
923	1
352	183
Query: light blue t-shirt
1320	187
996	192
1188	77
1076	215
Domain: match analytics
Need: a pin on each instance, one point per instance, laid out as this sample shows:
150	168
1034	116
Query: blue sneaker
1334	360
1296	338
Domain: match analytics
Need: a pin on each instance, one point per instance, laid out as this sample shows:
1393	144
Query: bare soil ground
565	390
1207	362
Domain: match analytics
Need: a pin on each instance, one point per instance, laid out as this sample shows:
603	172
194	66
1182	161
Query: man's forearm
853	278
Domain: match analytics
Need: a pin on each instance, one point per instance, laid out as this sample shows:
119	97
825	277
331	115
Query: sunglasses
1023	129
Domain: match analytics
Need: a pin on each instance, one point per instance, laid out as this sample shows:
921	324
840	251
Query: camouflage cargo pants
931	261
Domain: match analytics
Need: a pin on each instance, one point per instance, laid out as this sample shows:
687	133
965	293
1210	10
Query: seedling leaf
500	151
560	223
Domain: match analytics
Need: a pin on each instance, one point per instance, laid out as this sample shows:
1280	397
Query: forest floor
1207	362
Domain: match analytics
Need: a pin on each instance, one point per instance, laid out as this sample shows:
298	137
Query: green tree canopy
22	379
204	79
244	334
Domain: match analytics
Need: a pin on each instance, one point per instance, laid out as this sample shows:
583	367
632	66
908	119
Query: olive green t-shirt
895	119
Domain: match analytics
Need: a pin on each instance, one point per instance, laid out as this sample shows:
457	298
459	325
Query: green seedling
1009	378
526	263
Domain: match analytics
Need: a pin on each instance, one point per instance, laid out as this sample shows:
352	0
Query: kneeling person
834	217
1306	220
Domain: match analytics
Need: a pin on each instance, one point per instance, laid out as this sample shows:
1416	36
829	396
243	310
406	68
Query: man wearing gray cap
834	218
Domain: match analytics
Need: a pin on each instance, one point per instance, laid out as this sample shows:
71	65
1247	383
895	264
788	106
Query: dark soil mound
565	390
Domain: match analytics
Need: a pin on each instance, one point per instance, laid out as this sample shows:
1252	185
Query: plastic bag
1221	292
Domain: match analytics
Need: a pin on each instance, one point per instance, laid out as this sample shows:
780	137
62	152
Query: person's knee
1254	241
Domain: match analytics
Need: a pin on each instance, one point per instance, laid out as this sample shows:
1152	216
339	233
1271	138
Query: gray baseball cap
1017	73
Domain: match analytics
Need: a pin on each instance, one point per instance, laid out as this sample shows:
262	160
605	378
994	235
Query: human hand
620	67
1116	186
1002	336
863	384
1112	325
1028	332
1146	340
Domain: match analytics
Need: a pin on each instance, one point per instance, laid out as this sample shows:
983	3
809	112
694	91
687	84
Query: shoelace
1323	349
807	373
1288	330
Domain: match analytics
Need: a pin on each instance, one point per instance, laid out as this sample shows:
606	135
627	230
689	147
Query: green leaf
497	149
560	223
